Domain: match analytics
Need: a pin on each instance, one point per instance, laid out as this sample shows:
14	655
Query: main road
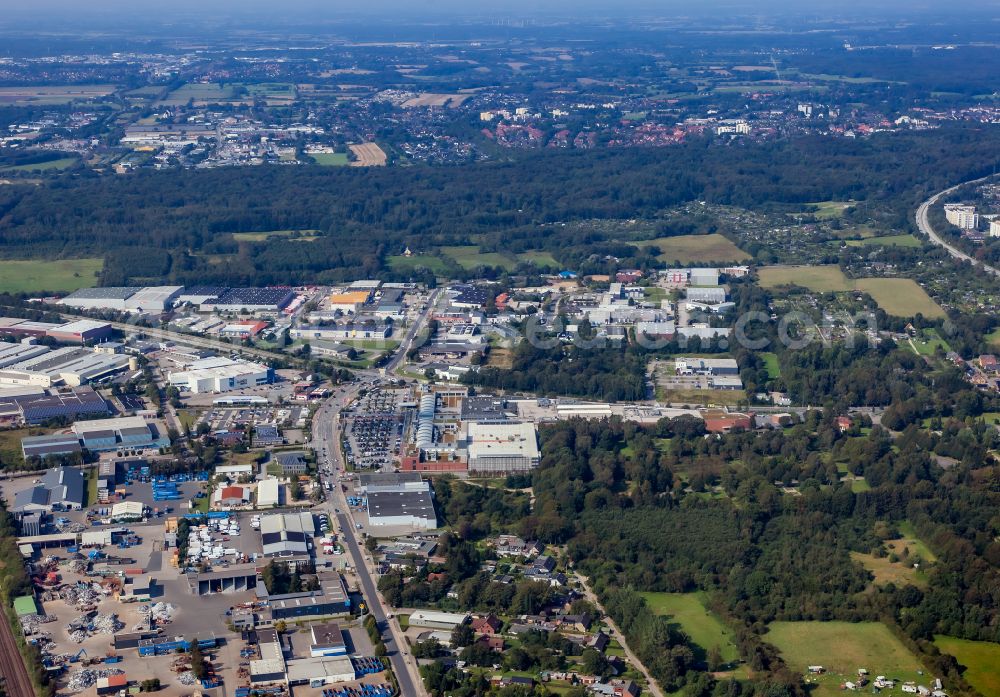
924	224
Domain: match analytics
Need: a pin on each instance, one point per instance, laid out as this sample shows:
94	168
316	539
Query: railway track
17	683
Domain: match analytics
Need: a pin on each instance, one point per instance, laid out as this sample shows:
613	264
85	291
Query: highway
924	224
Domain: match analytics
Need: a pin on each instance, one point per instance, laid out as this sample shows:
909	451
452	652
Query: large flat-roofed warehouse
330	599
83	331
413	509
432	619
375	482
11	354
124	432
50	446
251	299
219	374
706	366
40	407
110	298
286	534
199	295
323	670
64	366
501	448
153	299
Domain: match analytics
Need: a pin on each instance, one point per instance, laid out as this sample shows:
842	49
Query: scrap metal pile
86	678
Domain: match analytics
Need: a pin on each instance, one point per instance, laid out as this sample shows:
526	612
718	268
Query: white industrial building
323	670
995	228
703	277
110	298
64	366
268	493
153	299
219	374
433	619
706	366
711	295
286	534
11	354
502	447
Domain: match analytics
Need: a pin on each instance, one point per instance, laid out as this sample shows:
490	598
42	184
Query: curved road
924	224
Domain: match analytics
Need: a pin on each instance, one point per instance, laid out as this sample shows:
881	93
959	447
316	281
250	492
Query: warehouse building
10	354
709	296
64	366
327	640
153	299
110	298
269	493
331	599
339	332
84	331
438	620
706	366
50	446
59	489
286	534
200	295
375	482
414	509
220	374
37	406
319	671
250	300
498	448
131	432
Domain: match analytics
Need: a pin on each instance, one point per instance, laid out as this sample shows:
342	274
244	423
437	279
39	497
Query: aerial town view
446	350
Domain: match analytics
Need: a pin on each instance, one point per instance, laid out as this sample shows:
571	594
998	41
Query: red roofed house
488	626
844	423
988	362
232	496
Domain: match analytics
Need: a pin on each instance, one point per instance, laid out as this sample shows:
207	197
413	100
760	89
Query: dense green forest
176	225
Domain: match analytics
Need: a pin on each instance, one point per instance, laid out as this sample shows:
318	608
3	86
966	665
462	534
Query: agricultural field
704	628
301	235
200	92
696	249
980	659
993	339
368	154
727	398
53	94
900	297
331	159
842	648
272	90
820	279
47	166
62	275
539	259
886	241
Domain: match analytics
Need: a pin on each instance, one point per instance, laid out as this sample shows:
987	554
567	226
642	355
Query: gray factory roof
108	293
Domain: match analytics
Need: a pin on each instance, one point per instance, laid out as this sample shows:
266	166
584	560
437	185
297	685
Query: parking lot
375	430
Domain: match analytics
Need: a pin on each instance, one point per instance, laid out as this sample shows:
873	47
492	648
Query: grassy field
901	297
539	259
694	249
820	279
929	342
842	648
993	338
698	622
399	262
47	166
470	257
885	571
211	91
825	210
771	364
262	236
887	241
52	94
10	445
909	536
62	275
331	159
980	659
